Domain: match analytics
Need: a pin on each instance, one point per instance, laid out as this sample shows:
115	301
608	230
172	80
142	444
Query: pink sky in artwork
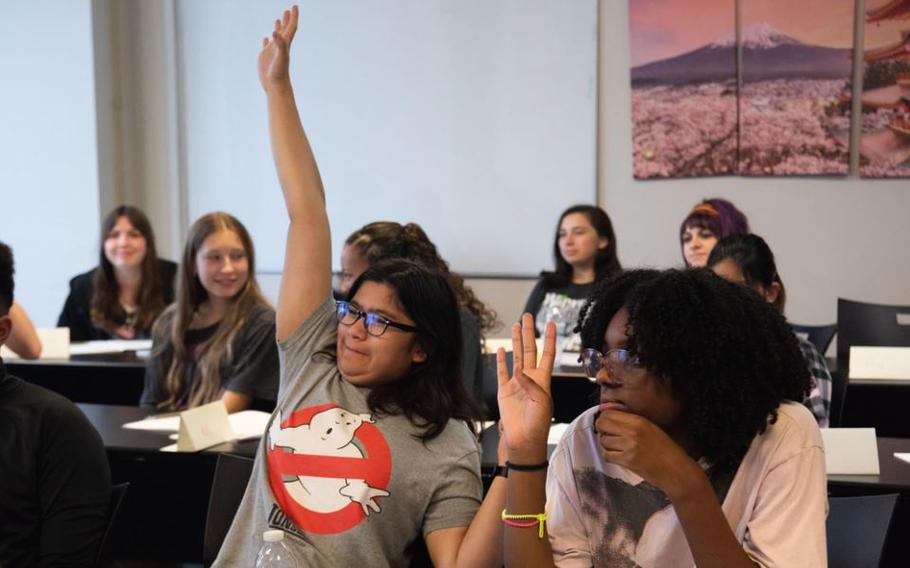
664	28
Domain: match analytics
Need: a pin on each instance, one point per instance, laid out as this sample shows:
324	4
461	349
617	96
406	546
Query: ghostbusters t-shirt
348	488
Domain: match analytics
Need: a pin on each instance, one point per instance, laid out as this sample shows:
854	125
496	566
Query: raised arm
23	339
307	278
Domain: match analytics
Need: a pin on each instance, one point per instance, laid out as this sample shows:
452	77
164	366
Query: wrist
692	484
528	456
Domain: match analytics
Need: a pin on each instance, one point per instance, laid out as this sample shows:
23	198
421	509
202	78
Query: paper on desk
556	432
850	451
55	344
902	456
110	346
885	363
246	424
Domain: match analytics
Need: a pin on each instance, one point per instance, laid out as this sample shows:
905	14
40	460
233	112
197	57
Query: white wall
833	237
48	148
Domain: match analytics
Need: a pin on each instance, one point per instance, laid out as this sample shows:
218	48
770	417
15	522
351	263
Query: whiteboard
474	118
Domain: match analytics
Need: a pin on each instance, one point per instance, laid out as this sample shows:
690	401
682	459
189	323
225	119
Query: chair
232	473
838	397
857	529
491	384
104	558
818	335
859	323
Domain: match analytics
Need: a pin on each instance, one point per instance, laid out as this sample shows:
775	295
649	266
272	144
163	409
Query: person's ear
603	243
772	292
6	327
418	355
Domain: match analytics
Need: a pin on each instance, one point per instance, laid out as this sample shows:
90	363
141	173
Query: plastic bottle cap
273	536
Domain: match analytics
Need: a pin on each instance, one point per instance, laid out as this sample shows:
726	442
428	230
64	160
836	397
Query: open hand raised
274	58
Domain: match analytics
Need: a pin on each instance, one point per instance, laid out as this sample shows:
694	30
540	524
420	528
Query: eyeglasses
374	323
620	363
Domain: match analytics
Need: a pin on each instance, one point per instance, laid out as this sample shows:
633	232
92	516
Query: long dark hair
606	262
755	260
387	239
106	311
728	356
433	392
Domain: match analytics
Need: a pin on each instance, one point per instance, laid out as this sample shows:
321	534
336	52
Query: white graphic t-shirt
603	515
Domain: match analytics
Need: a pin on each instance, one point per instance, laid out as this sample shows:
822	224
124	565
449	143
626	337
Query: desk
102	379
163	515
883	405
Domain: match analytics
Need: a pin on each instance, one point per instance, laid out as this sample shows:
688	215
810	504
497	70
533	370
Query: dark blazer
76	313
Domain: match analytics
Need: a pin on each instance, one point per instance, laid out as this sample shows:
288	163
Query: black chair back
838	397
859	323
491	384
857	530
818	335
232	473
105	557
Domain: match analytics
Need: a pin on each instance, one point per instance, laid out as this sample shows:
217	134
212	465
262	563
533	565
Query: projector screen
474	118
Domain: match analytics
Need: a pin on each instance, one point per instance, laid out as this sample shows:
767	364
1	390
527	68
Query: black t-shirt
546	293
252	370
55	484
76	313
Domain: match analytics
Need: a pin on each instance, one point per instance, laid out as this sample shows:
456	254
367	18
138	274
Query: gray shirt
347	487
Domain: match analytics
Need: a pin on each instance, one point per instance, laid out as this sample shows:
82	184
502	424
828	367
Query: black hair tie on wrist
527	467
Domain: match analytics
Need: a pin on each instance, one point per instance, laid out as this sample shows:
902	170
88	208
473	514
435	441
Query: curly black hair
728	356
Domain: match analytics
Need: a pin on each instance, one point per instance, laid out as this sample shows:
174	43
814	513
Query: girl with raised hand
584	253
696	454
131	286
748	260
388	239
708	222
371	445
217	341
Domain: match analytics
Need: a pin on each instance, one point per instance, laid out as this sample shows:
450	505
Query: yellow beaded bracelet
540	520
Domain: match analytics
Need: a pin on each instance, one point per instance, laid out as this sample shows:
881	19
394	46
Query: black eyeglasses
620	363
374	323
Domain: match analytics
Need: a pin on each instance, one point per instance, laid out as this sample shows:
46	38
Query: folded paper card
203	427
246	424
850	451
55	344
108	346
883	363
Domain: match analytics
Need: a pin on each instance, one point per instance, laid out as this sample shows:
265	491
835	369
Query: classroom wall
49	196
833	237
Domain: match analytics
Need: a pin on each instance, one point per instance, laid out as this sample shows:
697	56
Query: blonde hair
190	295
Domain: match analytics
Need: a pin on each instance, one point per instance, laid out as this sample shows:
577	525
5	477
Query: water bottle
274	553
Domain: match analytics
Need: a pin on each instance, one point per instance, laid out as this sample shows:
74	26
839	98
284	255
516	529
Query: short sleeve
457	496
567	532
254	371
787	525
317	333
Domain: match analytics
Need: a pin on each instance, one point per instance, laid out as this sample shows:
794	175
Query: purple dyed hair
718	216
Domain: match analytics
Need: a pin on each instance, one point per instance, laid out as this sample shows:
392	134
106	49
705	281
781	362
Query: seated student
387	239
584	251
747	259
217	341
121	298
708	222
55	485
695	456
374	377
23	339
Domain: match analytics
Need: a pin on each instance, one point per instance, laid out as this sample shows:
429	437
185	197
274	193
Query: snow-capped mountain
766	54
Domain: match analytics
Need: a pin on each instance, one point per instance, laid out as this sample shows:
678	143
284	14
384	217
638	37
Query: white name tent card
884	363
203	427
902	456
850	451
55	344
244	425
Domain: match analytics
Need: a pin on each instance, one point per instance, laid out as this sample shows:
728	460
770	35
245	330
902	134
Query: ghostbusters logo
328	467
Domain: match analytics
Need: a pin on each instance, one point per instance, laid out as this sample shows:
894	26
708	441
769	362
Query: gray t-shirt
348	488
